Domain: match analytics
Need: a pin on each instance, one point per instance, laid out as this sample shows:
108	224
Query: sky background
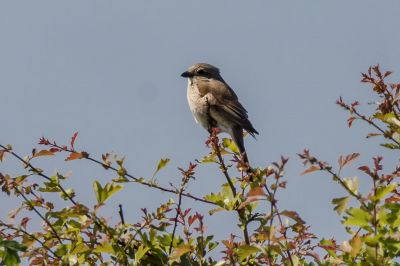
111	70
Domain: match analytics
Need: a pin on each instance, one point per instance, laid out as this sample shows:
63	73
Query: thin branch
343	184
369	121
241	212
34	238
121	214
135	179
178	211
39	214
274	206
186	175
97	221
38	172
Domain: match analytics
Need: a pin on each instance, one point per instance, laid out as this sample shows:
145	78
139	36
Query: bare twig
186	175
121	214
135	179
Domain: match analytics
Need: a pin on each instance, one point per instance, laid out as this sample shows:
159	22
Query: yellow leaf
355	244
43	153
179	251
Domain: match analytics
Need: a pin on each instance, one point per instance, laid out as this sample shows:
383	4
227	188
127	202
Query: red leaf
312	168
350	120
387	73
365	169
74	156
348	159
24	222
44	141
186	212
73	140
192	219
54	149
354	104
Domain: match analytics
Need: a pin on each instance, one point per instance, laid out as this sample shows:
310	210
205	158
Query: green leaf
104	248
141	251
340	204
352	184
230	144
70	194
209	159
381	192
389	118
246	251
9	252
161	164
391	146
102	194
215	210
329	246
357	217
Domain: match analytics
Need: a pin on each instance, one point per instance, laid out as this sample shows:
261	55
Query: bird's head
203	71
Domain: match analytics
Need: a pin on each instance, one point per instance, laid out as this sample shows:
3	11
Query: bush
171	235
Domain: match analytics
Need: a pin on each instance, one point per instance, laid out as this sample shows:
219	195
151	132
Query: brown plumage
214	104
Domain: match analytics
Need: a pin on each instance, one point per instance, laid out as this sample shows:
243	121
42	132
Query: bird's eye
201	72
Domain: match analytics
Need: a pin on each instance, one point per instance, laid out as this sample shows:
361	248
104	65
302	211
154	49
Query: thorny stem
375	220
372	123
273	206
186	175
343	184
178	210
137	180
97	221
241	212
37	172
33	237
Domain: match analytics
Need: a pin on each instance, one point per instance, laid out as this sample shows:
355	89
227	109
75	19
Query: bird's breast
197	104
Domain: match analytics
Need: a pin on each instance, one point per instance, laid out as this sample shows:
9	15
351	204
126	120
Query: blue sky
111	70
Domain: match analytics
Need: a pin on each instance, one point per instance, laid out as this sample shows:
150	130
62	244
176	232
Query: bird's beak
186	74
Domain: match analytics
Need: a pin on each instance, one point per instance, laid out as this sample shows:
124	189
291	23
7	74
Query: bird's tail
237	136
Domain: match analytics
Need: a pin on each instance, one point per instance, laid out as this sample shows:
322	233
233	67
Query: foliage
77	235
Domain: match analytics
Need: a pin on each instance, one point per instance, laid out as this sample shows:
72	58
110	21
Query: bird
214	104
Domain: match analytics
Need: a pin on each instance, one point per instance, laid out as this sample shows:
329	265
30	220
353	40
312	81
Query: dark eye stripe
202	72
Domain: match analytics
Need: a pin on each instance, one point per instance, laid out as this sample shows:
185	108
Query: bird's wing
226	101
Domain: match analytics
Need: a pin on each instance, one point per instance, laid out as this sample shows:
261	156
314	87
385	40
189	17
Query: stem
273	206
186	175
369	121
121	213
241	212
39	214
343	184
137	180
178	210
97	221
375	219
